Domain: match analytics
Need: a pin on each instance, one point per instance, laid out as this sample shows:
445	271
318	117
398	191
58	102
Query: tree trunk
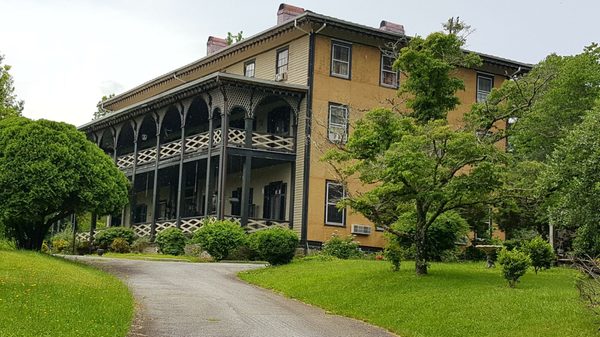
420	253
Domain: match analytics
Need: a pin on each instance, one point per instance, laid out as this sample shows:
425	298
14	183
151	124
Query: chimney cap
286	12
216	40
389	26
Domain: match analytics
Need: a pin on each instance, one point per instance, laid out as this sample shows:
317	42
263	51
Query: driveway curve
177	299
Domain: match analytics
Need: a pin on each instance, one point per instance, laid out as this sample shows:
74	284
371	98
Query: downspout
307	130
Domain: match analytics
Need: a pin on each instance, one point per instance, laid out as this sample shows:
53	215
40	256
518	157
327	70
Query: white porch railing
199	142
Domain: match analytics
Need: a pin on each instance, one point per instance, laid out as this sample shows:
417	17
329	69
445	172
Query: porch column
132	197
246	172
208	196
74	224
155	187
180	179
223	161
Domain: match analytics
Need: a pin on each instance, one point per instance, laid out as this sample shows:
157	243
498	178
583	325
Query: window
333	215
338	123
340	59
389	77
485	84
282	61
249	68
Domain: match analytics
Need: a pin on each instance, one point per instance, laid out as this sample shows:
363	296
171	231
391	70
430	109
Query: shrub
540	252
83	247
319	257
219	238
105	238
120	245
342	248
514	265
192	249
243	253
394	253
171	241
275	245
60	245
140	244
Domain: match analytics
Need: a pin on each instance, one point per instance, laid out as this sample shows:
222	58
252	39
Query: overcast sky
67	54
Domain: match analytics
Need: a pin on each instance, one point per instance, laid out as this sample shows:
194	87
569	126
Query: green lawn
453	300
41	296
152	257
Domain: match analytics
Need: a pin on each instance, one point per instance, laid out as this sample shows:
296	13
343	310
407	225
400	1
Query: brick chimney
391	27
214	44
287	12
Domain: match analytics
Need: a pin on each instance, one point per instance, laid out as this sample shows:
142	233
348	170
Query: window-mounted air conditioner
361	229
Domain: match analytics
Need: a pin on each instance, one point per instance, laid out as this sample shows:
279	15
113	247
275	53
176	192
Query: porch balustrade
200	142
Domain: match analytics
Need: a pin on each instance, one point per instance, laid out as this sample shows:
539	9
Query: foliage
587	241
101	112
428	169
192	249
514	265
120	245
541	253
104	238
10	106
140	244
171	241
220	237
572	180
455	300
429	66
441	236
60	172
319	256
275	245
588	282
394	253
6	244
234	38
42	295
341	247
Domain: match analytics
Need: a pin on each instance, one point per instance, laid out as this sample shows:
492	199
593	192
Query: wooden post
74	225
92	229
155	186
208	196
180	181
223	160
246	172
132	197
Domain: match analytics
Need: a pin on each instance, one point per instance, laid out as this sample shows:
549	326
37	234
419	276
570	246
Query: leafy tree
429	66
572	178
49	170
9	104
427	169
234	38
101	112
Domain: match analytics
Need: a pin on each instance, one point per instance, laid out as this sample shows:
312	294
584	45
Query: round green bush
276	245
120	245
140	244
220	237
342	248
514	265
541	253
171	241
104	238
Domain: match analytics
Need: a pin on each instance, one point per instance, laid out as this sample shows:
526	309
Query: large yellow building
248	124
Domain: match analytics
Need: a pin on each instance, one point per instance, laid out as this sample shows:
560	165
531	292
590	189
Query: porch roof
187	90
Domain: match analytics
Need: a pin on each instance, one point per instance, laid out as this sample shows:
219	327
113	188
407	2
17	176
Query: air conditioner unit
361	229
280	77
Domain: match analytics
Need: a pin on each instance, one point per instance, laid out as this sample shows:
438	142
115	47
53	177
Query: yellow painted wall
361	93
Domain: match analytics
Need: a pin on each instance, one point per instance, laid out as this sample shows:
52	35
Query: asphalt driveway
177	299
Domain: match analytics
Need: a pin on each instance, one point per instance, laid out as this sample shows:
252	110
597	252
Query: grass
453	300
45	296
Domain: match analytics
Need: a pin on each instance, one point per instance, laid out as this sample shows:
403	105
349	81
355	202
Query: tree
49	170
231	38
418	162
572	180
428	169
9	104
540	252
101	112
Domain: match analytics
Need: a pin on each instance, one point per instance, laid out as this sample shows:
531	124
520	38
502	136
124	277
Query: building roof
306	17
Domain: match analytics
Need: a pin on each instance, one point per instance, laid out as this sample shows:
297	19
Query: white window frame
253	63
383	71
334	60
334	203
339	126
482	95
278	66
